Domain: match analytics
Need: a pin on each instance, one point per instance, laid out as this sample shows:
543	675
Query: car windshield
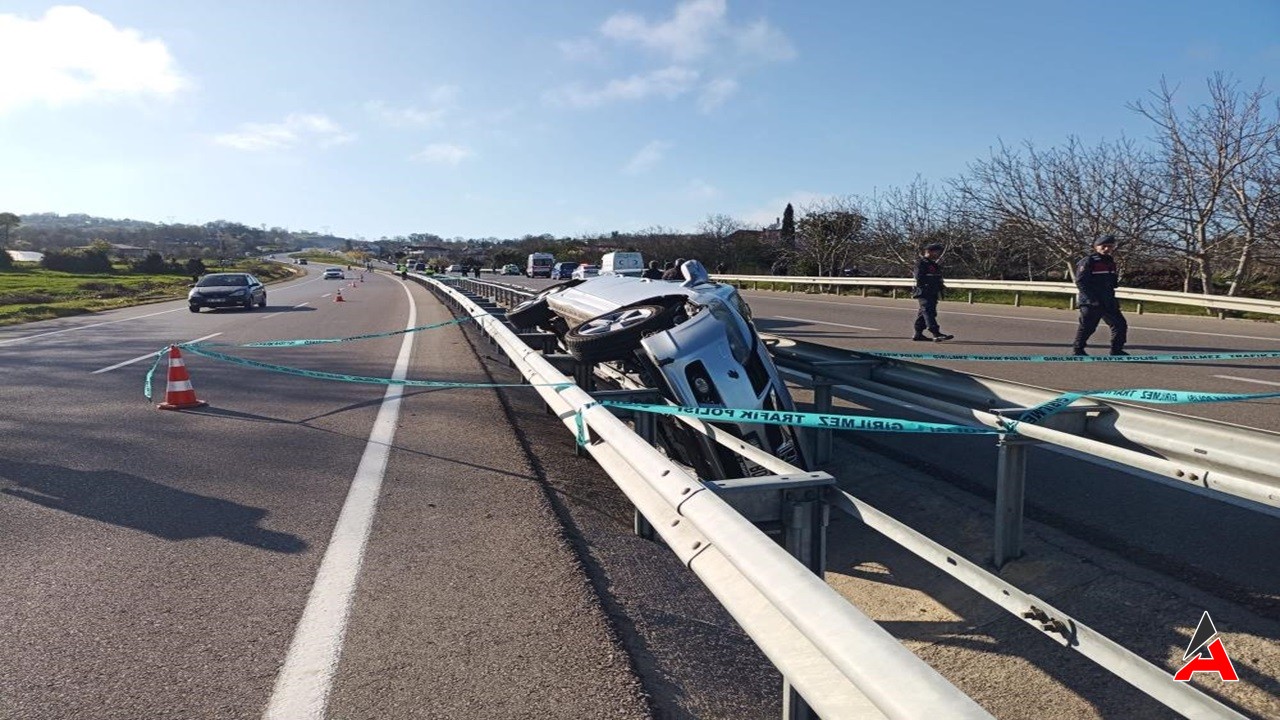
222	280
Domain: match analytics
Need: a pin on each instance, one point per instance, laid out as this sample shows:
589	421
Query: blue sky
500	118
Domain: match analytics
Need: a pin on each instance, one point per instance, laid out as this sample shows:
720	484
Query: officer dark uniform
1096	278
928	290
653	272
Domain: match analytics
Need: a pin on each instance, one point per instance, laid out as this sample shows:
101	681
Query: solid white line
1248	380
302	687
148	356
822	322
85	327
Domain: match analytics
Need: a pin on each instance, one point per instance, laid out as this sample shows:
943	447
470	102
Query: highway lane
157	563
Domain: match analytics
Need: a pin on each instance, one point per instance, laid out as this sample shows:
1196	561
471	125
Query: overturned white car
693	341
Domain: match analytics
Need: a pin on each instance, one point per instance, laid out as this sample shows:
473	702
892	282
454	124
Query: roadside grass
29	292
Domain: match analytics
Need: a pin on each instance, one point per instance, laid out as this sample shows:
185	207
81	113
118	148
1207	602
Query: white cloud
762	42
295	130
688	35
716	93
697	39
443	154
670	82
72	55
404	117
648	156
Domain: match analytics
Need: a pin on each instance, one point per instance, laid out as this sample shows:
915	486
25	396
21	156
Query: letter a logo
1206	653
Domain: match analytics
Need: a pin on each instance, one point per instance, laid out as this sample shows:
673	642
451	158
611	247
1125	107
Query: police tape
204	351
1078	358
323	341
1146	395
823	421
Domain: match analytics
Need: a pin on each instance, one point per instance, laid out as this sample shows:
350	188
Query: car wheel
263	303
194	308
615	335
534	311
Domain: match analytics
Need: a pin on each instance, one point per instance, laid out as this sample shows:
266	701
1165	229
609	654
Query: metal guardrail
1251	477
1219	303
840	661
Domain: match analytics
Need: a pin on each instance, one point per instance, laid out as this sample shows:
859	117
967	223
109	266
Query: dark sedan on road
227	290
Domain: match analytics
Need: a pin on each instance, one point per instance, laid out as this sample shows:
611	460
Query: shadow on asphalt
134	502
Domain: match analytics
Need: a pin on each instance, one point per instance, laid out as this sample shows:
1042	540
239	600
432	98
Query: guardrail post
821	404
864	291
1139	307
1017	299
970	297
805	518
1011	482
893	293
647	428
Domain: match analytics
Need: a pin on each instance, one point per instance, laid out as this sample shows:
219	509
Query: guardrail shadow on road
134	502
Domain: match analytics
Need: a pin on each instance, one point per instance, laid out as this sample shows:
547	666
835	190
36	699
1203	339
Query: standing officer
927	291
1096	278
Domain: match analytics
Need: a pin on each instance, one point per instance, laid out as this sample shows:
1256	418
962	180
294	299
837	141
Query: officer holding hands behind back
1097	279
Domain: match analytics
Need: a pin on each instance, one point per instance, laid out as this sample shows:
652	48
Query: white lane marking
302	687
823	322
86	327
1248	380
943	309
148	356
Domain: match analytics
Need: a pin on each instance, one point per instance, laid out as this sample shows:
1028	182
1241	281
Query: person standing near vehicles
673	273
1097	279
653	272
928	290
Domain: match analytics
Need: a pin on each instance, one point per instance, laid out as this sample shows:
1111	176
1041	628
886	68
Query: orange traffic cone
338	297
179	395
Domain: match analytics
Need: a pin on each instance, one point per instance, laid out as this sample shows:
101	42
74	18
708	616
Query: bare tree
830	235
1208	154
717	229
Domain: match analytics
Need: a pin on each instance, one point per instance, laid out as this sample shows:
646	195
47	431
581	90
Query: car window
221	280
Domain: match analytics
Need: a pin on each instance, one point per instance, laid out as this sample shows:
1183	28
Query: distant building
25	256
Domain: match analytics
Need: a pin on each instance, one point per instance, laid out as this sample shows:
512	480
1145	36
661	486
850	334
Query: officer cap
933	246
1105	240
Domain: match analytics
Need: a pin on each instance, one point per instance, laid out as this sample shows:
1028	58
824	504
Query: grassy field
29	293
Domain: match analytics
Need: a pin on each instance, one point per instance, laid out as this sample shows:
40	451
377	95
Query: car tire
534	312
263	303
616	334
194	308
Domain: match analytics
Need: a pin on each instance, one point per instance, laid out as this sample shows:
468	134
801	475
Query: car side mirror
694	273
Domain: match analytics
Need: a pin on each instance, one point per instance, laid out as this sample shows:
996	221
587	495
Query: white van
630	264
539	265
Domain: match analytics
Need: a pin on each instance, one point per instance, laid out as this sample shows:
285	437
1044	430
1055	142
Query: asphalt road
160	564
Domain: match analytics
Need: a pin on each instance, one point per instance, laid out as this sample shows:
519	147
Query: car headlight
240	292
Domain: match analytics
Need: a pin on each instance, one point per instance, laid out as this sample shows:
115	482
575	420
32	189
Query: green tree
788	232
8	221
